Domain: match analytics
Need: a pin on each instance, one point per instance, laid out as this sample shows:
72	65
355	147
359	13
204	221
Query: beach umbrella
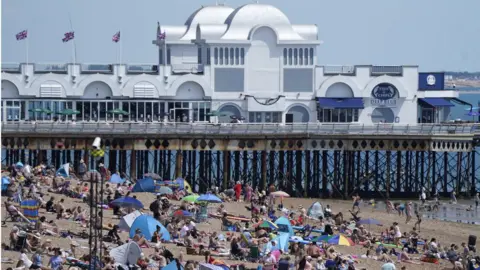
369	221
322	238
19	164
127	202
341	241
37	110
209	198
118	111
164	190
279	194
181	213
267	224
190	198
69	112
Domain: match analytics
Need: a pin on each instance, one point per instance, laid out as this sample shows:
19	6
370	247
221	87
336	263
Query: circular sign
384	91
431	80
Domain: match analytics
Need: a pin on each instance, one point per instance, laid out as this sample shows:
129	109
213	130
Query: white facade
249	62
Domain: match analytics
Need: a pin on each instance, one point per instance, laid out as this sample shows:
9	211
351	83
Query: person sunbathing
139	238
46	228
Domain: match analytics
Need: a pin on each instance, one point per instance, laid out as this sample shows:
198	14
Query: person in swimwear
356	202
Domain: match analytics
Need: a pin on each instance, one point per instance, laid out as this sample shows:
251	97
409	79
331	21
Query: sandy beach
445	232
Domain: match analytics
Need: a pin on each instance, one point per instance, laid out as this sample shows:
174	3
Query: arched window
290	56
300	57
285	54
242	56
311	56
295	56
237	56
215	52
221	56
226	56
305	57
231	57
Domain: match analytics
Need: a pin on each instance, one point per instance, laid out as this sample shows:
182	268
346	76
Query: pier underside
382	168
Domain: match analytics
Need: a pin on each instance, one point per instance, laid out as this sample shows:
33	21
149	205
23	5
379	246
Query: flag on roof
22	35
116	37
160	35
68	36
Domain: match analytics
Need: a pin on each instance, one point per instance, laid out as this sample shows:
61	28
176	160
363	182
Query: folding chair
12	215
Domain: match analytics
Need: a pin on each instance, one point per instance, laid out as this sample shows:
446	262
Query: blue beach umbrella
210	198
127	202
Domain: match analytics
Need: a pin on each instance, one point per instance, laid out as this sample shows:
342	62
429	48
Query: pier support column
178	164
226	168
133	164
264	170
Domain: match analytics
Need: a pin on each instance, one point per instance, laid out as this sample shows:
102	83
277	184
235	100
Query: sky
437	35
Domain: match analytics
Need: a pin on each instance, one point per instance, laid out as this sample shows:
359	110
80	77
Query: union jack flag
22	35
161	36
68	36
116	37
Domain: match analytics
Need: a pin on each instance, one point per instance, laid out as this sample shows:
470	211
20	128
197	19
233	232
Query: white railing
187	68
171	128
339	70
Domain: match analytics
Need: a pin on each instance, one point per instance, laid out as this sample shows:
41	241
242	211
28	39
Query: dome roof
251	15
209	15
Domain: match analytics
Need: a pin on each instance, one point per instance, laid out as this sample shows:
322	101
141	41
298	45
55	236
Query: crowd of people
240	238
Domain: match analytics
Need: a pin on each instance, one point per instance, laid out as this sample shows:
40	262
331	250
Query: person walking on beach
419	220
477	200
423	196
408	212
356	202
453	198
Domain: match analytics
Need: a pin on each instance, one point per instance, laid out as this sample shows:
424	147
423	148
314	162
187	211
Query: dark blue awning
341	103
435	102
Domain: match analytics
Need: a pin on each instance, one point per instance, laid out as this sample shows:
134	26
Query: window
285	56
337	115
199	54
305	55
221	56
237	56
208	56
242	56
226	56
300	57
264	117
290	56
231	57
311	56
295	55
168	56
215	52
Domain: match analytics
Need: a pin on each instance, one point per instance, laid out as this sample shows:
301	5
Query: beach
446	233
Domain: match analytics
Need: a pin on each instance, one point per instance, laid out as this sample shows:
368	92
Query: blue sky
435	34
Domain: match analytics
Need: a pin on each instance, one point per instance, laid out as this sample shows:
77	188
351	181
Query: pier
307	160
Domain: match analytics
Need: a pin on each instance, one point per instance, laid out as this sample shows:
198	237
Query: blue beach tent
116	179
64	170
282	241
144	185
284	226
5	183
148	225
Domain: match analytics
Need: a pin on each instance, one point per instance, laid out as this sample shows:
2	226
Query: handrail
173	128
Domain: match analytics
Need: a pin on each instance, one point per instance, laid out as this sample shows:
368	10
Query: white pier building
247	63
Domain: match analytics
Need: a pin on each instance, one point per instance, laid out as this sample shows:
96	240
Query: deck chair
12	215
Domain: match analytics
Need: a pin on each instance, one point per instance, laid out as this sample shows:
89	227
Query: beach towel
30	209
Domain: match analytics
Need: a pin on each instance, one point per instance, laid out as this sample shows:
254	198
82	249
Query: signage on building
384	91
384	94
431	81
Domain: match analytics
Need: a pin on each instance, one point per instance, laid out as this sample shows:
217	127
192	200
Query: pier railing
243	129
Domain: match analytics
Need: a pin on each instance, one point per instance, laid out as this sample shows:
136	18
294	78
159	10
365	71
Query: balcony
192	68
51	68
386	70
96	68
11	67
339	70
142	68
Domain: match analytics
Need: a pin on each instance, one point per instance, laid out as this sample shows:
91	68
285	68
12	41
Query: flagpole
74	51
26	48
121	45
